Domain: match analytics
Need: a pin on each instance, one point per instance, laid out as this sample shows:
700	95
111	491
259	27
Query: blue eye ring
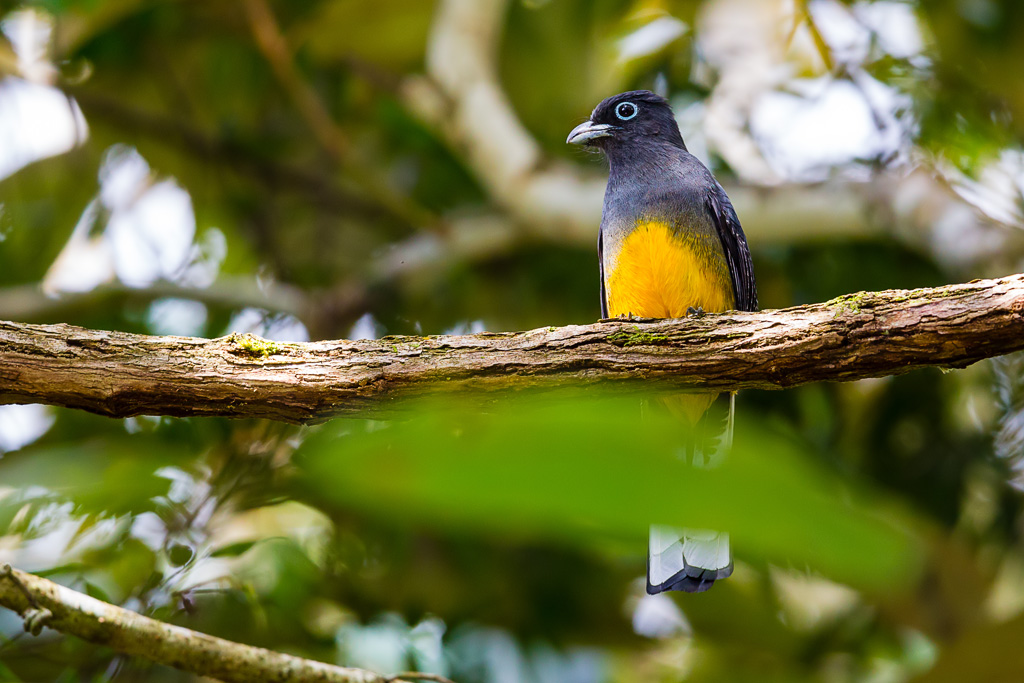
625	111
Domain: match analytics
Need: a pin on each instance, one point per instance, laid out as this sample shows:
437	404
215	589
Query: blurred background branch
273	46
97	622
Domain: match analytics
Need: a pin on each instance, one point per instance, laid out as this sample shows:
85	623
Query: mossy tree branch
44	603
852	337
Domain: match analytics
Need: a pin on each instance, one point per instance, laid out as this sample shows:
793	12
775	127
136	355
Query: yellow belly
658	275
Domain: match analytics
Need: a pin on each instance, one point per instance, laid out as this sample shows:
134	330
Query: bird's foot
695	312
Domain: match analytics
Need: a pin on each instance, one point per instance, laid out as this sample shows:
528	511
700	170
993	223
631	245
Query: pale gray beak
588	130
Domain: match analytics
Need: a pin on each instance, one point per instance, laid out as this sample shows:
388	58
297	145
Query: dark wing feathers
600	261
737	253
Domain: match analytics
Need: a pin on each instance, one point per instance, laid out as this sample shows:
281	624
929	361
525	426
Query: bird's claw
692	312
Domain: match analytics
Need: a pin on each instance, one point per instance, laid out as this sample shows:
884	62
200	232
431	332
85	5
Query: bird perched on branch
670	245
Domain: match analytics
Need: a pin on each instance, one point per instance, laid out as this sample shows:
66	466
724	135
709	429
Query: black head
628	119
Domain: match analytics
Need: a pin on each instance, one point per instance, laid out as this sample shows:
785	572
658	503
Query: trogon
670	245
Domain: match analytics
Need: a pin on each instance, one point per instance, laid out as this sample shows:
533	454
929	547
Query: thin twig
274	47
802	15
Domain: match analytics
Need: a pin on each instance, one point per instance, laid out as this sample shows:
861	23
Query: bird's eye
626	110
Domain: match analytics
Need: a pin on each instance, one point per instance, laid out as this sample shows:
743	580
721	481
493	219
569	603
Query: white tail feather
691	559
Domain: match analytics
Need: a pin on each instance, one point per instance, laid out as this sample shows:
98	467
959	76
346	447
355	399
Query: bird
670	245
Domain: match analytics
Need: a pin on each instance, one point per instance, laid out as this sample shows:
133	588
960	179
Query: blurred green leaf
588	469
114	475
94	591
127	568
6	674
233	550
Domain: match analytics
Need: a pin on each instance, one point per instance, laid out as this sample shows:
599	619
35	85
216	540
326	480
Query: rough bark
44	603
851	337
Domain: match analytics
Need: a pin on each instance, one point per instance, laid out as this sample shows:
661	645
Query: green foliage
581	470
